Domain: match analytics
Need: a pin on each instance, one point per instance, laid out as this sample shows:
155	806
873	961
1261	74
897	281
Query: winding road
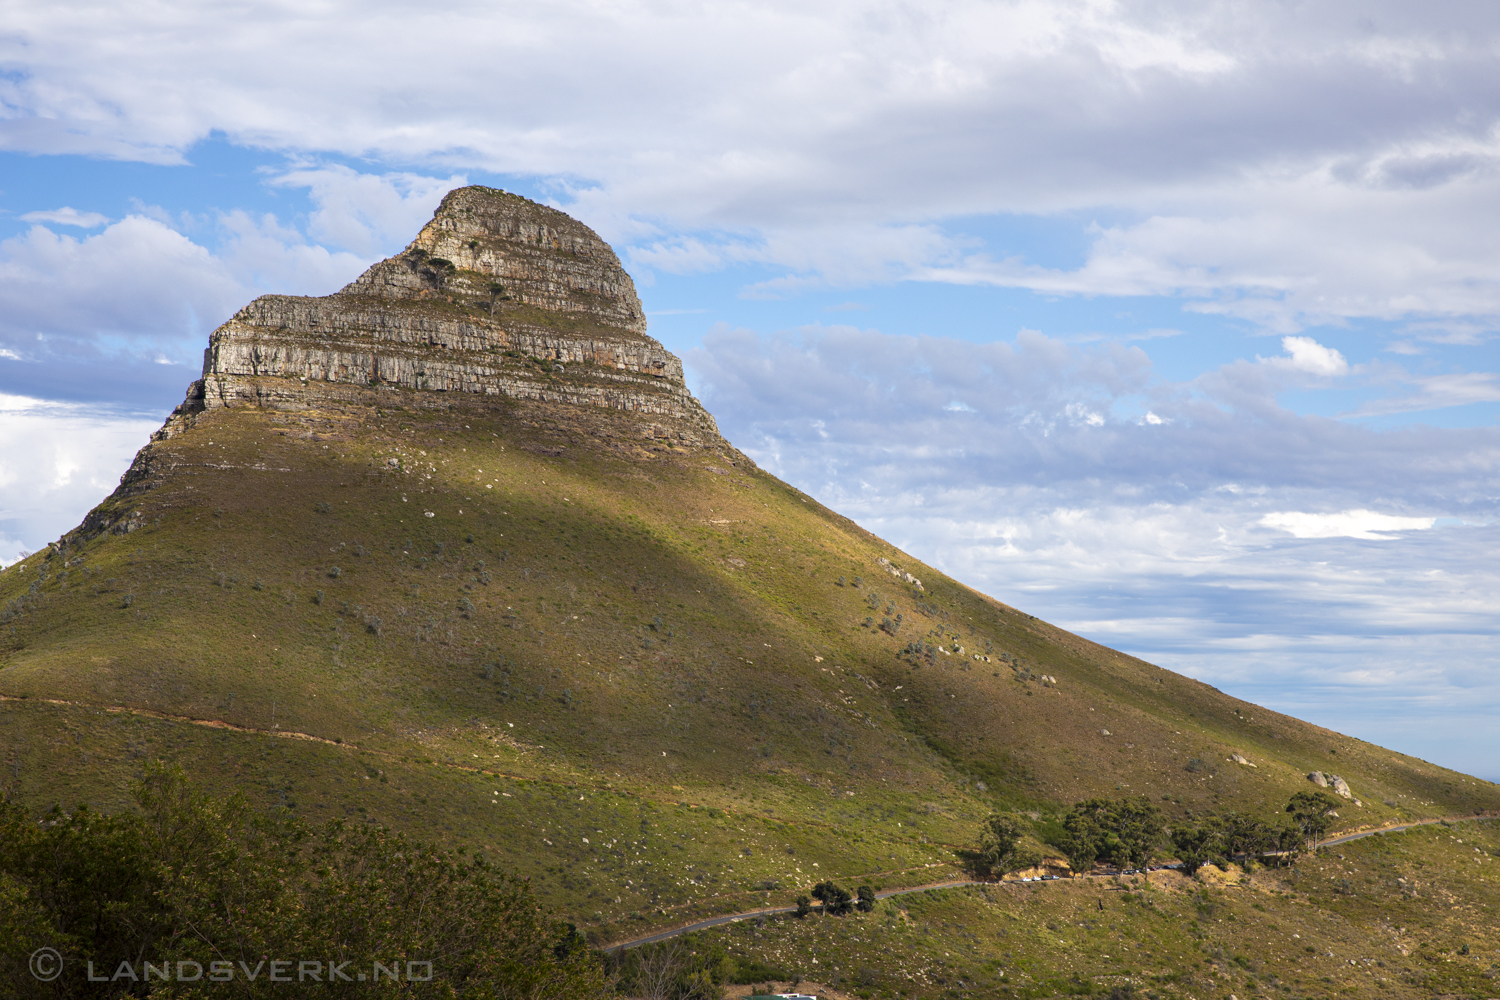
729	918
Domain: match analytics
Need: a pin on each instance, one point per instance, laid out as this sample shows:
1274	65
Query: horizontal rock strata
497	296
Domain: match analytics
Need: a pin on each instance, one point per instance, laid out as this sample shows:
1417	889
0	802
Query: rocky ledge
496	296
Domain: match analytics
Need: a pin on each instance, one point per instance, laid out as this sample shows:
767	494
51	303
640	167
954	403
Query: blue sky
1172	323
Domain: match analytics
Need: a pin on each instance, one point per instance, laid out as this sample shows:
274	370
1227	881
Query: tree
804	906
1124	832
439	270
497	295
835	899
655	970
1000	847
866	899
1310	812
1083	835
1196	846
1244	835
196	879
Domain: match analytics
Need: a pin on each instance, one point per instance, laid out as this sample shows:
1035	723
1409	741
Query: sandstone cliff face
497	296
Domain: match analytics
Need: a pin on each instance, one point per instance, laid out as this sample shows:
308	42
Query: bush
1196	846
835	899
1123	832
1000	849
194	879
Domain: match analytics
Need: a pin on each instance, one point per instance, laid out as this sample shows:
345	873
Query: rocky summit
496	296
453	552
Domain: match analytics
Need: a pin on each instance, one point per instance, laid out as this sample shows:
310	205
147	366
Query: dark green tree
497	295
835	899
1000	847
1244	835
1310	812
1122	832
439	271
191	878
804	906
1196	846
866	899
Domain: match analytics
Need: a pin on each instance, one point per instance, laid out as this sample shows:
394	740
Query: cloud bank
1292	559
1285	164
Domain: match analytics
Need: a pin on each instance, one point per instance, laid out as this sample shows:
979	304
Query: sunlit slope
432	592
1407	915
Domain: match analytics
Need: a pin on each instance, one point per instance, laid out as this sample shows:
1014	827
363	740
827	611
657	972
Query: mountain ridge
538	604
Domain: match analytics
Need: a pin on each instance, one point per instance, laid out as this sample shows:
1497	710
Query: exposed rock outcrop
499	301
1332	782
497	296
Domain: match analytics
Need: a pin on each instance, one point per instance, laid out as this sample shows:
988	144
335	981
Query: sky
1172	323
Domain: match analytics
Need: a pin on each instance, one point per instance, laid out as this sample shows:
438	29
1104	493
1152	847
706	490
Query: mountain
455	550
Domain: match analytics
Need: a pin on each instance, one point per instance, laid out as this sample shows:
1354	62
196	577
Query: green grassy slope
644	676
1408	915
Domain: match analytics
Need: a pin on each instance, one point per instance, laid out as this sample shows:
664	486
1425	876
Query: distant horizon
1177	331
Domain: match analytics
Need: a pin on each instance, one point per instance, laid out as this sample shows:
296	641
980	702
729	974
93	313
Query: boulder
1318	779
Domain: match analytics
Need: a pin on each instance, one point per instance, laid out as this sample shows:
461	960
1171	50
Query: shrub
318	597
835	899
190	878
1124	832
1310	812
1196	846
804	906
335	572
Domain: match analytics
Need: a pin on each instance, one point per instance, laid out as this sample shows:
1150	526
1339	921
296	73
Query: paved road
1397	829
730	918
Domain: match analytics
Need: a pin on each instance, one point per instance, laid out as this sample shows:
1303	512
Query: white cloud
1436	392
265	255
1366	524
136	283
368	214
67	217
1150	537
1275	163
143	290
57	460
1311	357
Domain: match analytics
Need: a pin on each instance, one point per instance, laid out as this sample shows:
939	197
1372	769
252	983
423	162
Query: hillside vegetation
653	651
637	669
